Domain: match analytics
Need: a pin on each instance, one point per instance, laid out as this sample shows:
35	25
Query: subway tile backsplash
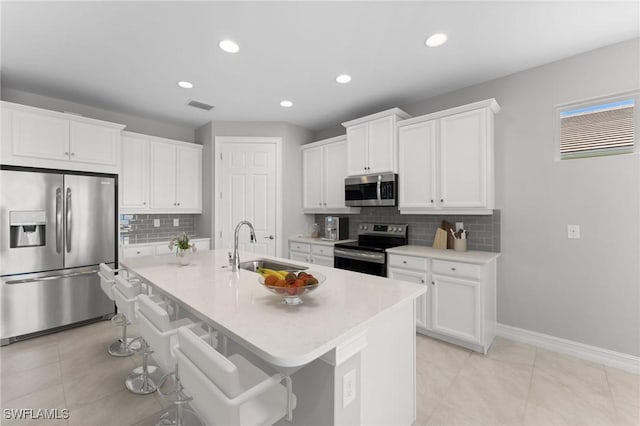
484	231
140	229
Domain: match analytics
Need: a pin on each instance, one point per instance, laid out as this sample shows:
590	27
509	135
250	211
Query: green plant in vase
183	247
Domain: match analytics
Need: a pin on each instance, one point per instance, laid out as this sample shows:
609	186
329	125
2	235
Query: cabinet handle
73	154
178	203
442	200
453	269
404	261
138	252
433	283
431	201
422	281
66	153
319	204
325	204
144	203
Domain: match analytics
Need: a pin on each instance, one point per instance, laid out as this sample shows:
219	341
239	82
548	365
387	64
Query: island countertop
287	336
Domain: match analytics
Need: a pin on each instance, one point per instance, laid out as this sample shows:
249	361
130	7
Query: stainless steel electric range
368	254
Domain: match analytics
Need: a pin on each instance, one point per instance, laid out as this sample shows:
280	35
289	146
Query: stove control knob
393	228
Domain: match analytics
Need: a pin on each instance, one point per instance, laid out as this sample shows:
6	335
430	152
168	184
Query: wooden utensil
440	240
447	226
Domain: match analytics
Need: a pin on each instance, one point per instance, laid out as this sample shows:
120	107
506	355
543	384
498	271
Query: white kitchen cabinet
36	137
159	248
446	162
319	254
134	173
372	142
300	257
460	304
160	175
324	168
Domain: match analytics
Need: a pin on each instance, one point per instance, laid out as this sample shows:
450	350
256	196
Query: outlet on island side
573	232
348	388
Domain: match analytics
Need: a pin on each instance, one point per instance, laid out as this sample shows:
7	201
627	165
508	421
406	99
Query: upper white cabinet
36	137
324	168
446	162
160	175
372	142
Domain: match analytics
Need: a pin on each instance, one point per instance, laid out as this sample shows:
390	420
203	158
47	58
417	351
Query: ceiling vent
201	105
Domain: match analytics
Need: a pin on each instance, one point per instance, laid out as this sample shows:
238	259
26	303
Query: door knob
270	237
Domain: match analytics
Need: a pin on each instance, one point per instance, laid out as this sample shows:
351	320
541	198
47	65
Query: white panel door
41	136
90	143
357	156
189	178
417	165
163	172
456	307
381	148
247	191
335	170
134	174
463	160
422	302
312	166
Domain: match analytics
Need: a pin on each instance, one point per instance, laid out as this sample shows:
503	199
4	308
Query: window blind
597	130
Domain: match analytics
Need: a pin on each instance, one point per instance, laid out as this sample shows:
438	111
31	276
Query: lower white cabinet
159	248
319	254
460	304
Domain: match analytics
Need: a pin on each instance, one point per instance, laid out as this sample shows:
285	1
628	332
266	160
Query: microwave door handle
68	222
378	188
58	220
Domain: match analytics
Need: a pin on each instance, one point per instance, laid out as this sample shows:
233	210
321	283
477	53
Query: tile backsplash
140	227
484	231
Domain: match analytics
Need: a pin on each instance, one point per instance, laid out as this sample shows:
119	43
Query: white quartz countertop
318	241
288	336
471	256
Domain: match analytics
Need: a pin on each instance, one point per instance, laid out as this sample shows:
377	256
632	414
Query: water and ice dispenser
27	228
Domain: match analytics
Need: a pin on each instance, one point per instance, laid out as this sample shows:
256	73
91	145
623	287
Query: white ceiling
128	56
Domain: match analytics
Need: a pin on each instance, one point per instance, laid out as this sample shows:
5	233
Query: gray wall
134	124
585	290
292	137
204	222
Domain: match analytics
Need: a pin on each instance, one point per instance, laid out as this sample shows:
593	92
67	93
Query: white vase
184	256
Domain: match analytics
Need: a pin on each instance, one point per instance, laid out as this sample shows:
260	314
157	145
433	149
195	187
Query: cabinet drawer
163	249
409	262
306	248
455	269
138	251
322	250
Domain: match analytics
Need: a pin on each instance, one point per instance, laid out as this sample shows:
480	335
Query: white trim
402	115
579	350
280	238
323	142
491	104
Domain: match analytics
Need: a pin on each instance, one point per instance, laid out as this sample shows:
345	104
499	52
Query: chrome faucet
235	259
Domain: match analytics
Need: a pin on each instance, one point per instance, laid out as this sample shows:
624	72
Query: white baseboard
579	350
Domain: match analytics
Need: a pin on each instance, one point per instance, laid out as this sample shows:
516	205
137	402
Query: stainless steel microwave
371	190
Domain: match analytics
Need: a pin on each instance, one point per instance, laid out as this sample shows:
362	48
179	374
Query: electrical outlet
176	222
459	226
573	232
348	388
156	223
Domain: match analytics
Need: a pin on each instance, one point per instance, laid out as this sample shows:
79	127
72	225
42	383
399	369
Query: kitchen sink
253	265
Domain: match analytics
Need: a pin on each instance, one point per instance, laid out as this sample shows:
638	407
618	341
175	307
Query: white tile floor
515	384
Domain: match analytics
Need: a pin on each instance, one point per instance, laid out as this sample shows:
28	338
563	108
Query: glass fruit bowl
291	294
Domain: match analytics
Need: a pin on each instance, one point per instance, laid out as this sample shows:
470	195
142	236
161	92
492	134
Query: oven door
371	263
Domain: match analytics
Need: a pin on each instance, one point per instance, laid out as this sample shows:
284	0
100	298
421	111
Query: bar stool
158	329
119	347
125	294
230	390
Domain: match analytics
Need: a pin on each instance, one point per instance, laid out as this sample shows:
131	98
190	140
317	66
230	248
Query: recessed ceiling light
286	104
229	46
343	78
436	40
185	84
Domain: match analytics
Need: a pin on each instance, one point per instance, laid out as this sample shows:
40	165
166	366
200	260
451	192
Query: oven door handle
358	255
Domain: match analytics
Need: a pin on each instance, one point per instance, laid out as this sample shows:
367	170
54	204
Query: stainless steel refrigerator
55	229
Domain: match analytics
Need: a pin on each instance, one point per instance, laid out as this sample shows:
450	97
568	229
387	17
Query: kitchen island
353	325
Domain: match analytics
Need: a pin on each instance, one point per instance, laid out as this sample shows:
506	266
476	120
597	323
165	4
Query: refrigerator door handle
58	220
53	277
67	242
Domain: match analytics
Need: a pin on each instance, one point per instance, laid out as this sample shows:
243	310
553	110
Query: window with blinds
597	129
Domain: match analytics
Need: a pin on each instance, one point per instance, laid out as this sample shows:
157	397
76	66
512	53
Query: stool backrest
125	294
107	278
153	321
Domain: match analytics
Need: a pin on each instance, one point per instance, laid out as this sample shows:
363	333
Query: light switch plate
573	232
459	226
156	223
176	222
349	388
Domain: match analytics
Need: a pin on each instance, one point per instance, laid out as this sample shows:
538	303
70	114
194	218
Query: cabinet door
422	303
322	260
335	170
91	143
463	160
382	147
312	165
300	257
417	165
134	174
357	156
41	136
162	176
456	307
189	178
